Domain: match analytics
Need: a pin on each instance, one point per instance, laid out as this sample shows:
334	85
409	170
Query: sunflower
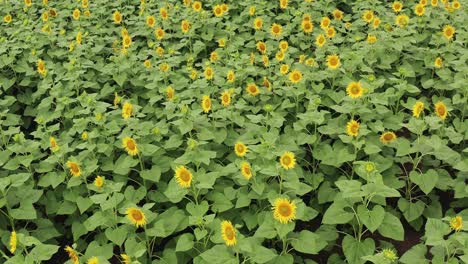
284	69
456	223
206	103
419	10
185	26
246	170
434	2
127	110
438	63
284	210
283	45
117	99
218	10
72	254
126	41
376	22
258	23
283	4
53	144
7	18
117	17
448	31
330	32
225	7
261	47
295	76
418	108
280	56
41	68
147	64
74	167
352	128
266	83
307	26
228	233
371	39
125	258
402	20
424	2
28	3
45	16
193	74
276	30
337	14
226	98
183	176
214	56
136	216
441	110
209	73
150	21
252	10
170	93
99	181
456	5
78	38
288	160
87	13
397	6
76	14
231	76
197	6
325	22
320	40
389	254
388	137
333	61
266	60
306	17
163	13
368	16
84	3
252	89
130	146
13	242
240	149
93	260
221	43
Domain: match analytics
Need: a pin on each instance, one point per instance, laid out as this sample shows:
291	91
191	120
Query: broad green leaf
308	242
391	227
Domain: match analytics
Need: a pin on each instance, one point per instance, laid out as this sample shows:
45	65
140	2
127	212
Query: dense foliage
238	132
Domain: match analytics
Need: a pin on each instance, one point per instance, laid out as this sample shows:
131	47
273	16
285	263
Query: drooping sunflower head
333	61
13	241
127	110
320	40
388	137
130	146
228	233
419	9
284	210
267	83
206	103
276	30
240	149
448	31
352	128
438	63
99	181
53	144
163	12
74	167
418	108
150	21
183	177
125	258
368	16
246	170
252	10
72	254
252	89
288	160
117	17
221	42
41	67
136	216
170	93
397	6
441	110
226	98
231	76
456	223
295	76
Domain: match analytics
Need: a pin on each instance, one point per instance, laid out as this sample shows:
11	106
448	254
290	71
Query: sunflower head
288	160
388	137
218	10
93	260
307	26
136	216
240	149
226	98
130	146
170	93
438	63
441	110
352	128
74	167
72	254
397	6
231	76
325	22
419	10
295	76
456	223
320	40
261	47
331	32
185	26
418	108
337	14
333	61
448	31
183	177
76	14
276	30
283	4
389	254
99	181
252	89
209	73
127	110
7	18
13	241
150	21
402	20
354	90
258	23
125	258
284	210
206	103
246	170
368	16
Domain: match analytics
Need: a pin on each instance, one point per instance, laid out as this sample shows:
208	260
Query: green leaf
354	250
185	242
350	188
83	203
391	227
262	254
174	192
24	212
372	219
411	211
426	181
42	252
117	235
308	242
219	254
124	164
417	254
152	175
336	214
435	230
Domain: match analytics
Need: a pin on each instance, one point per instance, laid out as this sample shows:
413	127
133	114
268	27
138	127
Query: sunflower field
255	131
